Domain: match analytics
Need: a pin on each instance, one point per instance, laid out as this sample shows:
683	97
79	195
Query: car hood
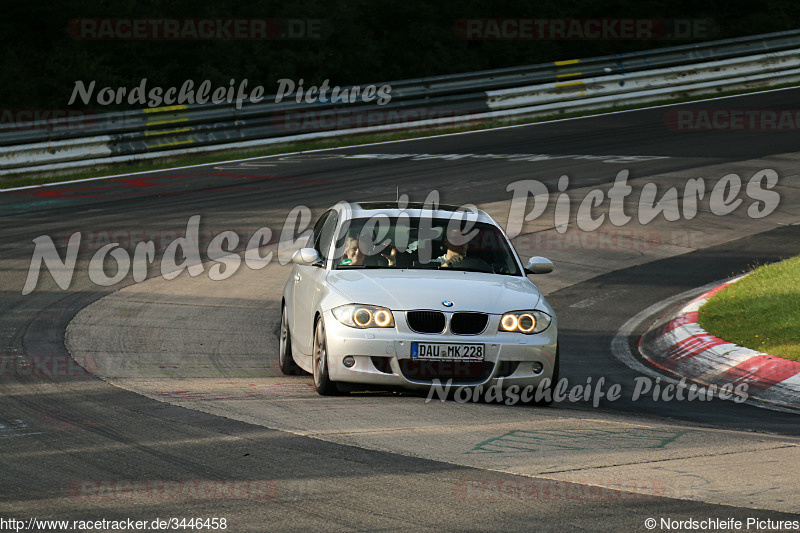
427	289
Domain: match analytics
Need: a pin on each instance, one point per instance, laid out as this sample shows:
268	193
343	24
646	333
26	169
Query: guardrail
543	89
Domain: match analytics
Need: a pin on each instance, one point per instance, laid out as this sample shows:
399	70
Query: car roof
413	209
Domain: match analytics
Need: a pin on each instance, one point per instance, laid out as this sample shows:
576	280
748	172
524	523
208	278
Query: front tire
285	360
322	380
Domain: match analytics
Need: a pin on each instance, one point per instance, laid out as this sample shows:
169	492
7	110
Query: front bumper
383	356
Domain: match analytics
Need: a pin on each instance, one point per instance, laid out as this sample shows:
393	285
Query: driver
454	253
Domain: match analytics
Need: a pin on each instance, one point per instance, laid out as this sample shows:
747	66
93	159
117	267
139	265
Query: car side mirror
538	265
306	256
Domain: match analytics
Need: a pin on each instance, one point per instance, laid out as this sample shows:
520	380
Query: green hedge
371	41
761	312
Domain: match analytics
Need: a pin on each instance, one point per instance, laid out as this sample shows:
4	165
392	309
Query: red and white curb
678	345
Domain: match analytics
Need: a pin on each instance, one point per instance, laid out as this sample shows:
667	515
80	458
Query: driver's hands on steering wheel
453	260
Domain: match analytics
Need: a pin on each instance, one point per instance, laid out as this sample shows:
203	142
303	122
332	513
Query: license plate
442	351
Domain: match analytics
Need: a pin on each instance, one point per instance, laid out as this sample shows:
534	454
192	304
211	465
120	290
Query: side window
323	233
318	230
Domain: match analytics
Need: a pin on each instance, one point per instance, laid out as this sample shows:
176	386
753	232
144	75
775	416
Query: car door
308	280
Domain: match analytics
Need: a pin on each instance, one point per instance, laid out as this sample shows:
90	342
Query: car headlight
527	322
364	316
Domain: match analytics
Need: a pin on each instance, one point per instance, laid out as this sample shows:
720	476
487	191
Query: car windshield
423	243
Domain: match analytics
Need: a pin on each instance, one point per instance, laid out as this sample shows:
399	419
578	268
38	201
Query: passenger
353	256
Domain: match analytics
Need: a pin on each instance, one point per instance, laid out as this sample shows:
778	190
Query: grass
761	312
224	155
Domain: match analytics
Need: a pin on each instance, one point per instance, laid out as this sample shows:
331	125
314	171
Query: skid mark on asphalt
52	197
65	421
578	439
16	428
243	391
589	302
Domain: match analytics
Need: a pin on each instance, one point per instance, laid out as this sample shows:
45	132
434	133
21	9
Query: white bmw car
384	296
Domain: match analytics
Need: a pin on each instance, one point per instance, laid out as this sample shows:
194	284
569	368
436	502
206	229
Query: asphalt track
60	431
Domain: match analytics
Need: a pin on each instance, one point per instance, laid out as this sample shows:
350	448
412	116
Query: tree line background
370	41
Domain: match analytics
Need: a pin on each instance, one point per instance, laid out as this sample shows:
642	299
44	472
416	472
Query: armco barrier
546	89
34	154
709	72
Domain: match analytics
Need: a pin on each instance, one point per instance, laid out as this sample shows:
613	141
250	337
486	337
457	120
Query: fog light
349	361
537	367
